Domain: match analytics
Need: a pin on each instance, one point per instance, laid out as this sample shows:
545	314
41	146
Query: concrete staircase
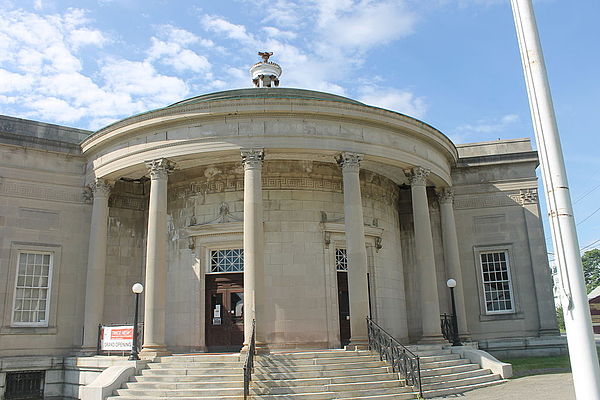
328	374
304	375
444	373
205	376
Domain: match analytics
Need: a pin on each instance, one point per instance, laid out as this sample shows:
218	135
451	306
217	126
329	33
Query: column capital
160	168
445	195
101	187
349	161
418	176
252	158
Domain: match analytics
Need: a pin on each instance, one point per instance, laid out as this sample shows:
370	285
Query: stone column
156	261
430	305
452	257
96	266
356	251
254	246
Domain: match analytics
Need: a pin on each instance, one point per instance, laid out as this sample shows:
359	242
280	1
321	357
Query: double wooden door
225	312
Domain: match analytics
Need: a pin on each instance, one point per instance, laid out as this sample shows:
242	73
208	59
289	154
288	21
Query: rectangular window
229	260
496	280
32	289
24	385
341	260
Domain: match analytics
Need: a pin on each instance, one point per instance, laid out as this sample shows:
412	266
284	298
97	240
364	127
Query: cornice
275	107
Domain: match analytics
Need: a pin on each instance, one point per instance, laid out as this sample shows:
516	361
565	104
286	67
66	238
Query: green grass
540	365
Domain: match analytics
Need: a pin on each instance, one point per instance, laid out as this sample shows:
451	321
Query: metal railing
449	328
402	360
249	363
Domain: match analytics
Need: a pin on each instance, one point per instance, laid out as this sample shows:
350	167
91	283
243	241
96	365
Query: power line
589	245
588	217
586	194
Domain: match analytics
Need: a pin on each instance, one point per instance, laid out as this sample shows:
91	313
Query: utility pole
580	337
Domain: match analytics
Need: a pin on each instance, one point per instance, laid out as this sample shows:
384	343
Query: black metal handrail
449	328
249	363
402	360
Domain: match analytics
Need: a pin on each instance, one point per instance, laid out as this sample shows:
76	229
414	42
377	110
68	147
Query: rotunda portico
295	171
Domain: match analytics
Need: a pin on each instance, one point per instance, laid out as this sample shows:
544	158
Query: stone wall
43	208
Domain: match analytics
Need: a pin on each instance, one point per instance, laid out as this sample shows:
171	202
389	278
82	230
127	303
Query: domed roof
271	93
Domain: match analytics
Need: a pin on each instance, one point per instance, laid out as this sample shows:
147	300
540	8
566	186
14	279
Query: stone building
303	211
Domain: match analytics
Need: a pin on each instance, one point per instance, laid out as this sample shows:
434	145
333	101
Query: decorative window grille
497	285
229	260
24	385
341	260
32	289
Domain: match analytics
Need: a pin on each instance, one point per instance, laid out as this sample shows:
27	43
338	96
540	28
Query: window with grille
228	260
341	260
24	385
497	285
32	289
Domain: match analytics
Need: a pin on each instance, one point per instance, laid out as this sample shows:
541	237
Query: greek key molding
349	162
502	199
42	192
160	168
418	176
445	195
137	203
252	158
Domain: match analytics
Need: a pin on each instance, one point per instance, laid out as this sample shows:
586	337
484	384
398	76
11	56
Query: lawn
540	365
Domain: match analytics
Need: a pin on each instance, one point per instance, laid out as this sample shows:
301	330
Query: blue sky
452	63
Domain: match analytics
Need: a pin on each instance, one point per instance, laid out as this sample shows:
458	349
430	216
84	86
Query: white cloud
38	5
275	33
42	71
362	24
174	50
402	101
141	79
11	82
220	25
488	125
84	36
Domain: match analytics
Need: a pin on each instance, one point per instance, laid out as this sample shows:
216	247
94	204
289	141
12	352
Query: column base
150	352
432	339
357	344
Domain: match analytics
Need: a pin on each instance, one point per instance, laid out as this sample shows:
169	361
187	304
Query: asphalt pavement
535	387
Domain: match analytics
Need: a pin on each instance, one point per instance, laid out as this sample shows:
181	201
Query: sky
454	64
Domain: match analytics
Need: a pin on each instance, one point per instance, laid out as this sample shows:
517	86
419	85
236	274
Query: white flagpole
580	336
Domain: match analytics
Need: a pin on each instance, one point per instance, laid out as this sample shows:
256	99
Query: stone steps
444	373
207	376
304	375
326	375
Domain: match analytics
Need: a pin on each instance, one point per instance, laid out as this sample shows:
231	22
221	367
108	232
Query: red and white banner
116	338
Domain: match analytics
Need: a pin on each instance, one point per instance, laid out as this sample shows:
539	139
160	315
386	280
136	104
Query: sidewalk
535	387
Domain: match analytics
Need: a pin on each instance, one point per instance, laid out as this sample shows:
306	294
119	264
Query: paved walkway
536	387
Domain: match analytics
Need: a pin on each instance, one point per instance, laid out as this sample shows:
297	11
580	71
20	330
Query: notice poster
116	338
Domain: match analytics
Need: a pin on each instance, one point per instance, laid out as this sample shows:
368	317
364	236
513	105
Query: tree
591	268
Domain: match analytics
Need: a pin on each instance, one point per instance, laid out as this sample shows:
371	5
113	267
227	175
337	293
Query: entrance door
344	307
224	312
